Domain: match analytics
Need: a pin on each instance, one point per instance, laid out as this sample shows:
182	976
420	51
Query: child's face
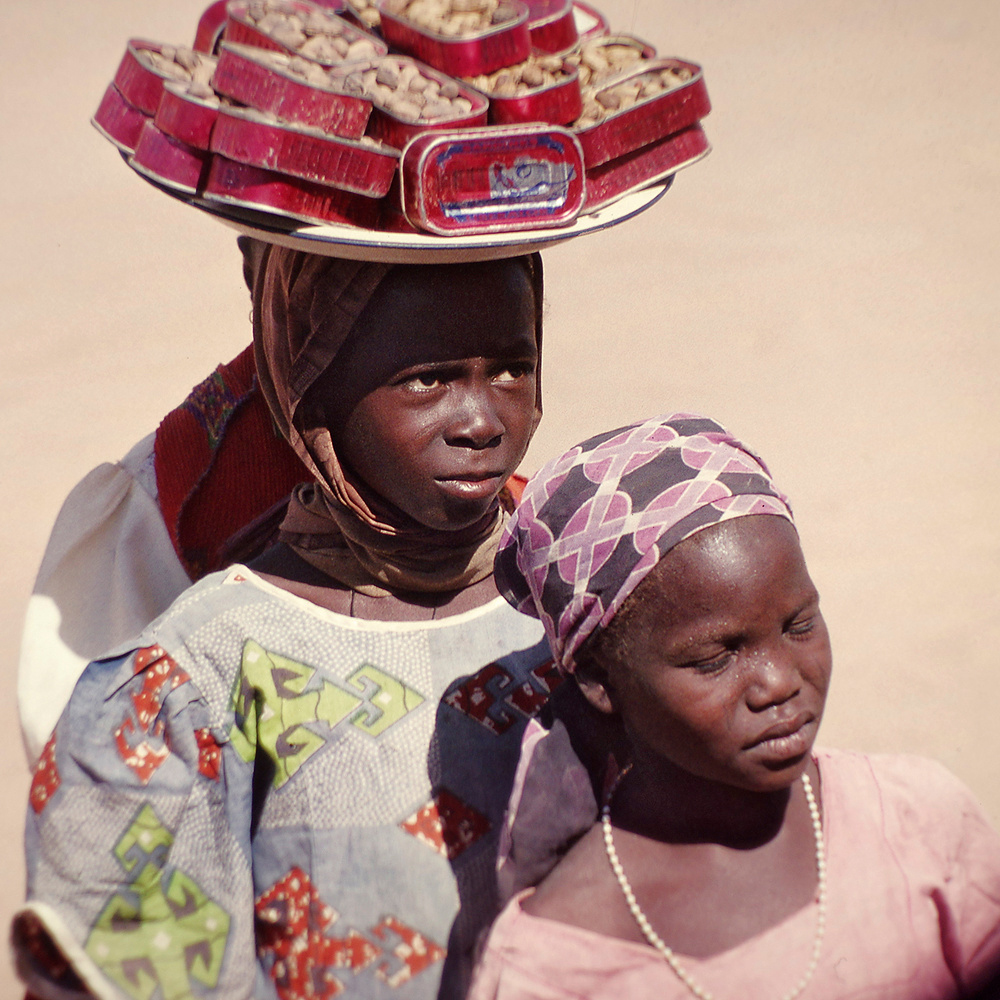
728	657
436	389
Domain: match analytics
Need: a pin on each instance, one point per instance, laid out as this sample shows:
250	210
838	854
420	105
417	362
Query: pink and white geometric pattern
593	522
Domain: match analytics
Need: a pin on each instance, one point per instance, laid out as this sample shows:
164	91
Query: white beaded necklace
658	943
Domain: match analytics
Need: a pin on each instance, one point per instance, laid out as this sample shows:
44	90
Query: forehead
719	569
425	314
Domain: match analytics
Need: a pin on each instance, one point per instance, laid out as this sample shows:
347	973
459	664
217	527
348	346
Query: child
291	784
731	859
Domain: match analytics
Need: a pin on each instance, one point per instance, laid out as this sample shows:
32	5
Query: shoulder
579	891
911	779
912	799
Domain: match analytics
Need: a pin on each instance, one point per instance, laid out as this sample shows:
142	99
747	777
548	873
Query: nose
774	679
476	421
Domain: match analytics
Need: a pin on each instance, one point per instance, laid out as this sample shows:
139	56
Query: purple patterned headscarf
593	522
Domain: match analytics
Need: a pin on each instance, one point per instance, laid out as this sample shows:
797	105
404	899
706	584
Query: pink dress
913	909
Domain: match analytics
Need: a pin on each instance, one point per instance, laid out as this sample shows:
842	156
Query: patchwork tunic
264	798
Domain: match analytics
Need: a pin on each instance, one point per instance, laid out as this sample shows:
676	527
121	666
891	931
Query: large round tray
418	248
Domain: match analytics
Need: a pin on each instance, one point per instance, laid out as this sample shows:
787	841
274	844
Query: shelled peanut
314	35
535	73
179	63
366	12
398	85
456	18
599	104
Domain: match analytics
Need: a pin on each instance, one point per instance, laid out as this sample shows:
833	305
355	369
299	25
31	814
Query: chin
457	519
776	776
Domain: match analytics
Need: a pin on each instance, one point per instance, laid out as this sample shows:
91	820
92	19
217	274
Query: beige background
824	283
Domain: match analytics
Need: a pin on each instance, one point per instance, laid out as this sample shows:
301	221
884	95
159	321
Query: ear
594	687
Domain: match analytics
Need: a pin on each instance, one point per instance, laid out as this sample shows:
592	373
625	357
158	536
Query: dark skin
721	693
431	405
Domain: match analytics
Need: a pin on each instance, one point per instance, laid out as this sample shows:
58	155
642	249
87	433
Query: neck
666	803
282	567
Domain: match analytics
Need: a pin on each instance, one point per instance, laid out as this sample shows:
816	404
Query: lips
787	738
473	485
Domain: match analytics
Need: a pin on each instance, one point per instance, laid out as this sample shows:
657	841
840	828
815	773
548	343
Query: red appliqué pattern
493	699
291	925
447	825
292	921
209	754
45	781
148	752
414	951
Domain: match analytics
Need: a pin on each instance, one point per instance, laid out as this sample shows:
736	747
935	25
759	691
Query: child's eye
425	380
513	372
801	626
712	665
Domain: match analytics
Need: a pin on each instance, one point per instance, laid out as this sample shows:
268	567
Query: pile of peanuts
600	104
604	58
314	35
398	86
455	18
534	73
176	62
305	69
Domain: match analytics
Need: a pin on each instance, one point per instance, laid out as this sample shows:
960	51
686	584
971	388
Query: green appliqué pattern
282	708
161	931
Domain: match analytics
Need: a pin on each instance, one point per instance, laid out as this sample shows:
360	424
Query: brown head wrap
304	307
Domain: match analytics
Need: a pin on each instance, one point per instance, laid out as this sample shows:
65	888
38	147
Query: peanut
455	18
515	81
403	88
315	35
600	102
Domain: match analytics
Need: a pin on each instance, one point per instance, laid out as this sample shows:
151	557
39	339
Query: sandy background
824	283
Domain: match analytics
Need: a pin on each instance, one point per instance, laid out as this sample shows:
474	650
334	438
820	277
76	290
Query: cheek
518	413
820	661
675	711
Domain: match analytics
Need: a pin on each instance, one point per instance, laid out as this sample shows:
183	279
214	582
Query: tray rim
354	243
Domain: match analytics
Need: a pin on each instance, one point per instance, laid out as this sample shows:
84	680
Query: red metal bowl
559	103
501	45
648	120
642	167
491	180
187	118
246	136
241	29
168	161
244	186
552	25
138	83
210	27
250	76
396	130
642	49
118	121
590	22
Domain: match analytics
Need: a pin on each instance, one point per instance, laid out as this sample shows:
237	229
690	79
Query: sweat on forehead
594	521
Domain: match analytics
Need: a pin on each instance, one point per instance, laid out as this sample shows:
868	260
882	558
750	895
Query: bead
657	942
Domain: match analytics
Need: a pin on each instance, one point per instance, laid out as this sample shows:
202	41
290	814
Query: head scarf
304	306
592	523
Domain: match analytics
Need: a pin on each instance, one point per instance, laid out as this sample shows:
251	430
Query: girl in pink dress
730	858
